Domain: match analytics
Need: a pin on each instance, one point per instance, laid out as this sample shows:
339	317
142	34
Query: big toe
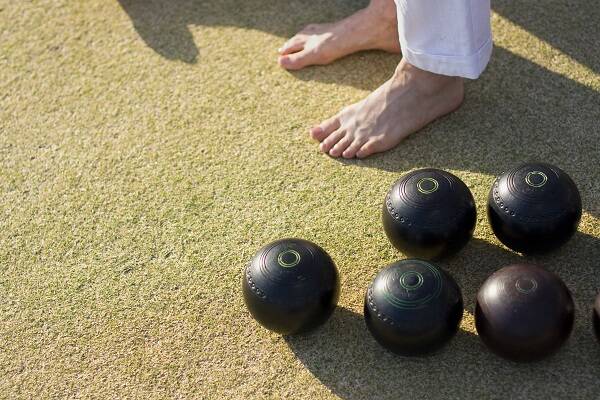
297	60
293	45
325	128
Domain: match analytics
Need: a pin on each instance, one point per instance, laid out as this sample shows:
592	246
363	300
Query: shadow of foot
164	24
517	111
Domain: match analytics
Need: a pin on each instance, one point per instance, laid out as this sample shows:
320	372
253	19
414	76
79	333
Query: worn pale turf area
148	148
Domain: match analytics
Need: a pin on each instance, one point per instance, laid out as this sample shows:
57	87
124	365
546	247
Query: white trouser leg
447	37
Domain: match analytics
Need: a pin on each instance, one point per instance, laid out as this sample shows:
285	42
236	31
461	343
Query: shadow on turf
517	111
163	24
345	358
570	26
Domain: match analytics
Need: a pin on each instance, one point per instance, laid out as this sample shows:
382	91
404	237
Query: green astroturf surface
147	149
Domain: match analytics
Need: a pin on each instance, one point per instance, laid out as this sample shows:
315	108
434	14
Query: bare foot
374	27
407	102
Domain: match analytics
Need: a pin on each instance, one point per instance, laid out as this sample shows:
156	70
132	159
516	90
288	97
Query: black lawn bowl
429	214
524	313
534	208
413	307
291	286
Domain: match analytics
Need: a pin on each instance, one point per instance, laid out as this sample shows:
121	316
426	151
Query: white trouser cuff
470	66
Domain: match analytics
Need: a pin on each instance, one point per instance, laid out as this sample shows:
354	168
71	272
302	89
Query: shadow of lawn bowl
345	358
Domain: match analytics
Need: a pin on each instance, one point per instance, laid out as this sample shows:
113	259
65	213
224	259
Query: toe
325	128
340	146
293	45
331	140
354	147
368	148
296	61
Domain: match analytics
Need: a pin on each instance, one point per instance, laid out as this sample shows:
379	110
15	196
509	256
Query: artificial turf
148	148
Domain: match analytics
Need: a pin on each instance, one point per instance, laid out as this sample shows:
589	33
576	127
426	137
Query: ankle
385	11
427	82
